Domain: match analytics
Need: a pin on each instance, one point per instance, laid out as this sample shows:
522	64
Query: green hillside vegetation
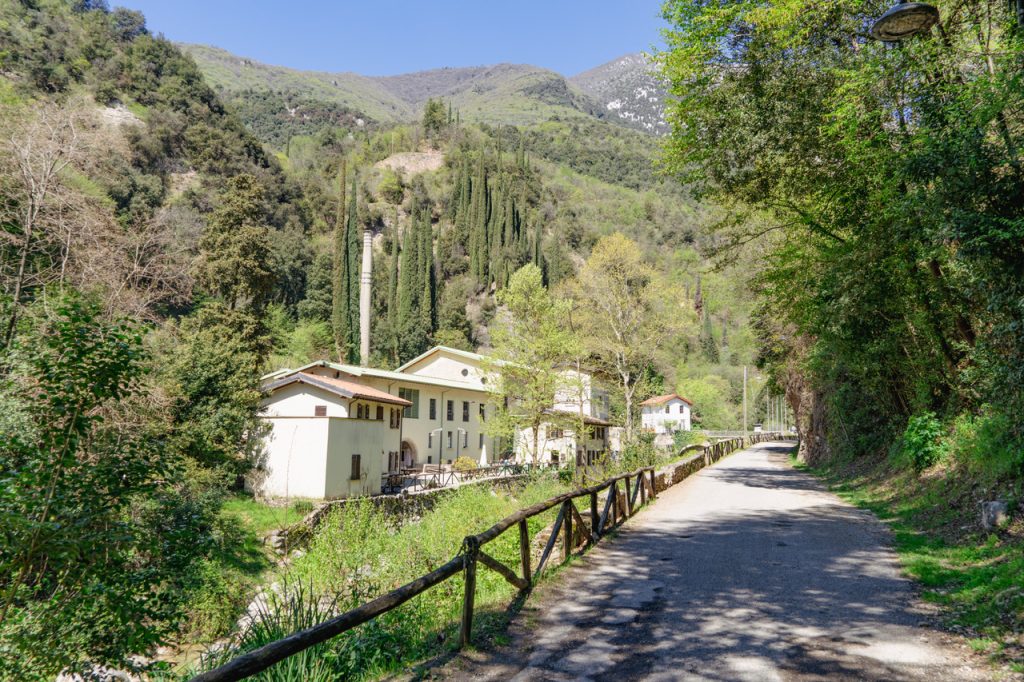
228	73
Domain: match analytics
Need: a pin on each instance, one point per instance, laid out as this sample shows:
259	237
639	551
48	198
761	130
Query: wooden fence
625	494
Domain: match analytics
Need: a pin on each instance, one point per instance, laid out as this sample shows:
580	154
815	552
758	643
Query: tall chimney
365	280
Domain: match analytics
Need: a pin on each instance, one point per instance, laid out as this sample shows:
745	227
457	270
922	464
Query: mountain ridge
505	93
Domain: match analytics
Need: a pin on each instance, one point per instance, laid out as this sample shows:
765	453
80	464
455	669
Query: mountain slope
629	91
504	93
233	74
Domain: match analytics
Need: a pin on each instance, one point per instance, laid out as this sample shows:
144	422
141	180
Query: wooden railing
415	481
625	493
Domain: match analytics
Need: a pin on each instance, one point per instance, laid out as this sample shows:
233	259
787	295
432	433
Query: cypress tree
339	289
407	280
537	237
427	277
707	342
393	275
353	240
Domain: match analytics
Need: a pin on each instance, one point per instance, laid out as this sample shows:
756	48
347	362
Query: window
481	441
449	439
380	413
357	472
320	411
465	410
413	396
465	372
465	439
481	411
668	408
451	410
396	418
679	408
430	440
433	409
554	433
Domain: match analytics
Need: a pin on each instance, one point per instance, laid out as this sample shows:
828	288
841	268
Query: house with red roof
666	414
328	436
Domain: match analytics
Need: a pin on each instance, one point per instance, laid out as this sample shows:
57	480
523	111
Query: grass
975	577
258	517
360	553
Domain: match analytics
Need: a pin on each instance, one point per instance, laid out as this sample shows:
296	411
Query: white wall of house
561	445
672	415
311	456
579	386
295	458
444	364
301	400
366	438
425	437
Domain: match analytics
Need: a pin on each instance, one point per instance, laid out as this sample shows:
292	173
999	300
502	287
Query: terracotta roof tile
662	399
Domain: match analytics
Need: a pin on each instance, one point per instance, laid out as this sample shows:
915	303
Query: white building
328	437
666	413
578	401
443	394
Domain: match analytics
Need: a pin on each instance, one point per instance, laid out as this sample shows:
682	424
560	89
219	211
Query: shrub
986	445
920	445
464	464
302	507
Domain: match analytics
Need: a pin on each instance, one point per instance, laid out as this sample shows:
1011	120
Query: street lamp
904	20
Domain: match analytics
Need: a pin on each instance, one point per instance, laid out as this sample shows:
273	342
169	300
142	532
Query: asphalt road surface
748	570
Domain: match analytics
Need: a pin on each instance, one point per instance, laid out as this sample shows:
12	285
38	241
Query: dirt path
749	570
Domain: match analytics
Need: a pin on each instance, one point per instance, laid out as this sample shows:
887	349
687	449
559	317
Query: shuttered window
357	472
320	411
413	396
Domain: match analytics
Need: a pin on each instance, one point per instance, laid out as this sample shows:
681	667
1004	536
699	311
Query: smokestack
364	299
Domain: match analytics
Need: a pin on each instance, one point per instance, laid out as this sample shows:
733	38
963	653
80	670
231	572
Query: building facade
666	414
440	398
327	437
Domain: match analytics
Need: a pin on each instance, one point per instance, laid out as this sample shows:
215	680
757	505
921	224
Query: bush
986	445
920	445
464	464
302	507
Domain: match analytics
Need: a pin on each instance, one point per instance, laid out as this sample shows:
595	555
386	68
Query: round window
465	372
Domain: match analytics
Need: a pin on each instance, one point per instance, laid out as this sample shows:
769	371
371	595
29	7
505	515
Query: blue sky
382	37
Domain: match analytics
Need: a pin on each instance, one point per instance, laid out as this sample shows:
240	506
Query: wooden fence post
524	549
654	489
629	505
594	519
469	559
567	539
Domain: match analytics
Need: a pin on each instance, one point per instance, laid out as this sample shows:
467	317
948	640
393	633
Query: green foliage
465	464
359	554
532	346
435	119
886	187
235	260
93	512
210	363
920	445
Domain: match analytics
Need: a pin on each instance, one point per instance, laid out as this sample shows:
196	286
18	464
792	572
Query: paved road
749	570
